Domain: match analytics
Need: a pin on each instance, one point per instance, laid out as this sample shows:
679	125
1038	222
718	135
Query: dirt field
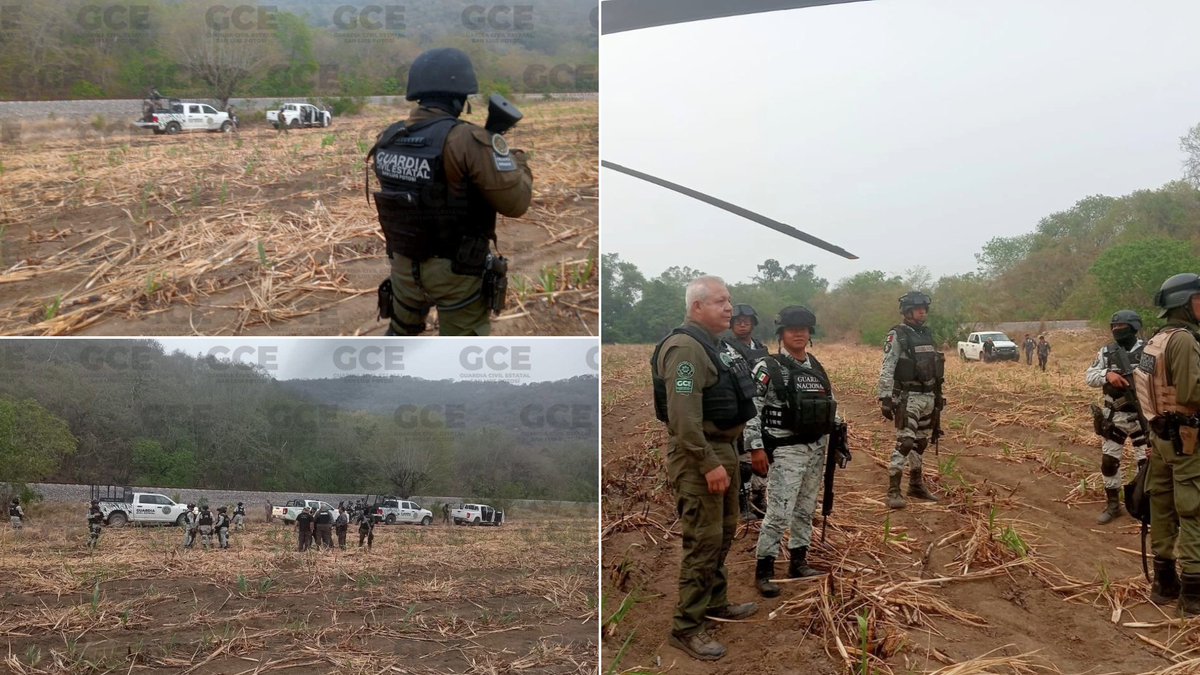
438	599
1009	574
108	232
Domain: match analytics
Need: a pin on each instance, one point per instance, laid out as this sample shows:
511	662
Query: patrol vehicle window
209	110
195	109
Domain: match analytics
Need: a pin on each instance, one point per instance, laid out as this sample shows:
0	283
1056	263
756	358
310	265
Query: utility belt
1182	431
770	443
916	387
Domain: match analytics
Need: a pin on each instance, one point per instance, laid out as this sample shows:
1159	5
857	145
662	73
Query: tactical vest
239	511
420	215
14	511
751	354
727	403
222	521
808	409
1111	364
1156	392
323	518
920	366
95	517
205	518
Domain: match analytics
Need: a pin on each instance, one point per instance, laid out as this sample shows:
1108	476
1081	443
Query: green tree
155	465
1128	275
33	441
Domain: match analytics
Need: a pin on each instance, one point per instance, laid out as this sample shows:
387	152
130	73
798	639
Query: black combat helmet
795	316
95	502
1177	291
912	300
445	71
744	310
1127	316
191	506
221	509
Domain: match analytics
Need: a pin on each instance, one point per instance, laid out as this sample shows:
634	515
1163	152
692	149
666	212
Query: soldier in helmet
366	529
442	182
796	413
221	527
1043	352
1118	419
909	393
705	397
304	528
95	521
239	517
740	343
323	528
15	513
1167	381
205	524
190	524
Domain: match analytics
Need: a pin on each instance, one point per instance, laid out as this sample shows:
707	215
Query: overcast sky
906	131
519	360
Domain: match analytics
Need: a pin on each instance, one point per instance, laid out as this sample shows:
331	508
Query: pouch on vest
1186	439
1137	500
1099	419
470	256
402	229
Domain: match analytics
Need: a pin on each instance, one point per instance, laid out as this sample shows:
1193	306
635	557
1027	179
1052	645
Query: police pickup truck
295	115
1003	349
392	510
185	116
476	514
143	508
289	511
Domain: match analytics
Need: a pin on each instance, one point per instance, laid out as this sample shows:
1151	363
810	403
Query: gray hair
698	289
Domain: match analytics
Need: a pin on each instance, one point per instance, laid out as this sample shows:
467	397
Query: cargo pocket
1187	498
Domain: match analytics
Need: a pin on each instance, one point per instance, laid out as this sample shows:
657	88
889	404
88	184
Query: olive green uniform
469	158
1173	481
697	446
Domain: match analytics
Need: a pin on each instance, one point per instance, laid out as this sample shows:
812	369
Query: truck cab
477	514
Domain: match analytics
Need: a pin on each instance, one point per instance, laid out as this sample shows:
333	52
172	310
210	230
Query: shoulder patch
726	358
685	369
499	145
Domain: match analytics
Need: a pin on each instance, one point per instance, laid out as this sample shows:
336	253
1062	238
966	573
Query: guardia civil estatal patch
500	145
685	369
500	154
726	359
683	386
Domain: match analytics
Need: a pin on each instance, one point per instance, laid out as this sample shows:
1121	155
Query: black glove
885	407
844	458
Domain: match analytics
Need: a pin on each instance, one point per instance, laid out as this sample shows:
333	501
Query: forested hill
483	404
124	411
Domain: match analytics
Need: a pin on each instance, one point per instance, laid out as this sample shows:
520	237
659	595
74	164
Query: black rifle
836	455
502	115
1130	397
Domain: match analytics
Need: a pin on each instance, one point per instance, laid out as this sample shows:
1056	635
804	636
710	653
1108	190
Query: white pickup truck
1003	349
476	514
146	508
186	116
392	510
289	511
295	115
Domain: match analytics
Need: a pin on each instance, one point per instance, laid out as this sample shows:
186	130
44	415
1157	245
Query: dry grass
425	600
887	587
258	223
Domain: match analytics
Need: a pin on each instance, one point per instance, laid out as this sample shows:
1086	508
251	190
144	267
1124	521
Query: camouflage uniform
190	519
797	468
95	521
205	523
1043	352
221	526
1124	417
910	397
15	514
239	518
366	529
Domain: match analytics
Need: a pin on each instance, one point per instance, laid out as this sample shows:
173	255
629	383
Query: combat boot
734	612
894	499
1166	582
699	645
916	487
1189	594
798	566
762	577
1112	508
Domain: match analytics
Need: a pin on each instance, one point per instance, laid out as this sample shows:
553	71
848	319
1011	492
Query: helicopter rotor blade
734	209
617	16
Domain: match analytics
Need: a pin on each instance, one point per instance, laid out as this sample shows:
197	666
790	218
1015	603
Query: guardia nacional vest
420	215
808	410
727	403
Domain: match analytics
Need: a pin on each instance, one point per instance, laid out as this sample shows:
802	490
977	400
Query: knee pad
905	445
1109	466
922	443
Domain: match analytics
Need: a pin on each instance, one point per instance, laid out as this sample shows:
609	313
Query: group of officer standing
732	408
319	527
